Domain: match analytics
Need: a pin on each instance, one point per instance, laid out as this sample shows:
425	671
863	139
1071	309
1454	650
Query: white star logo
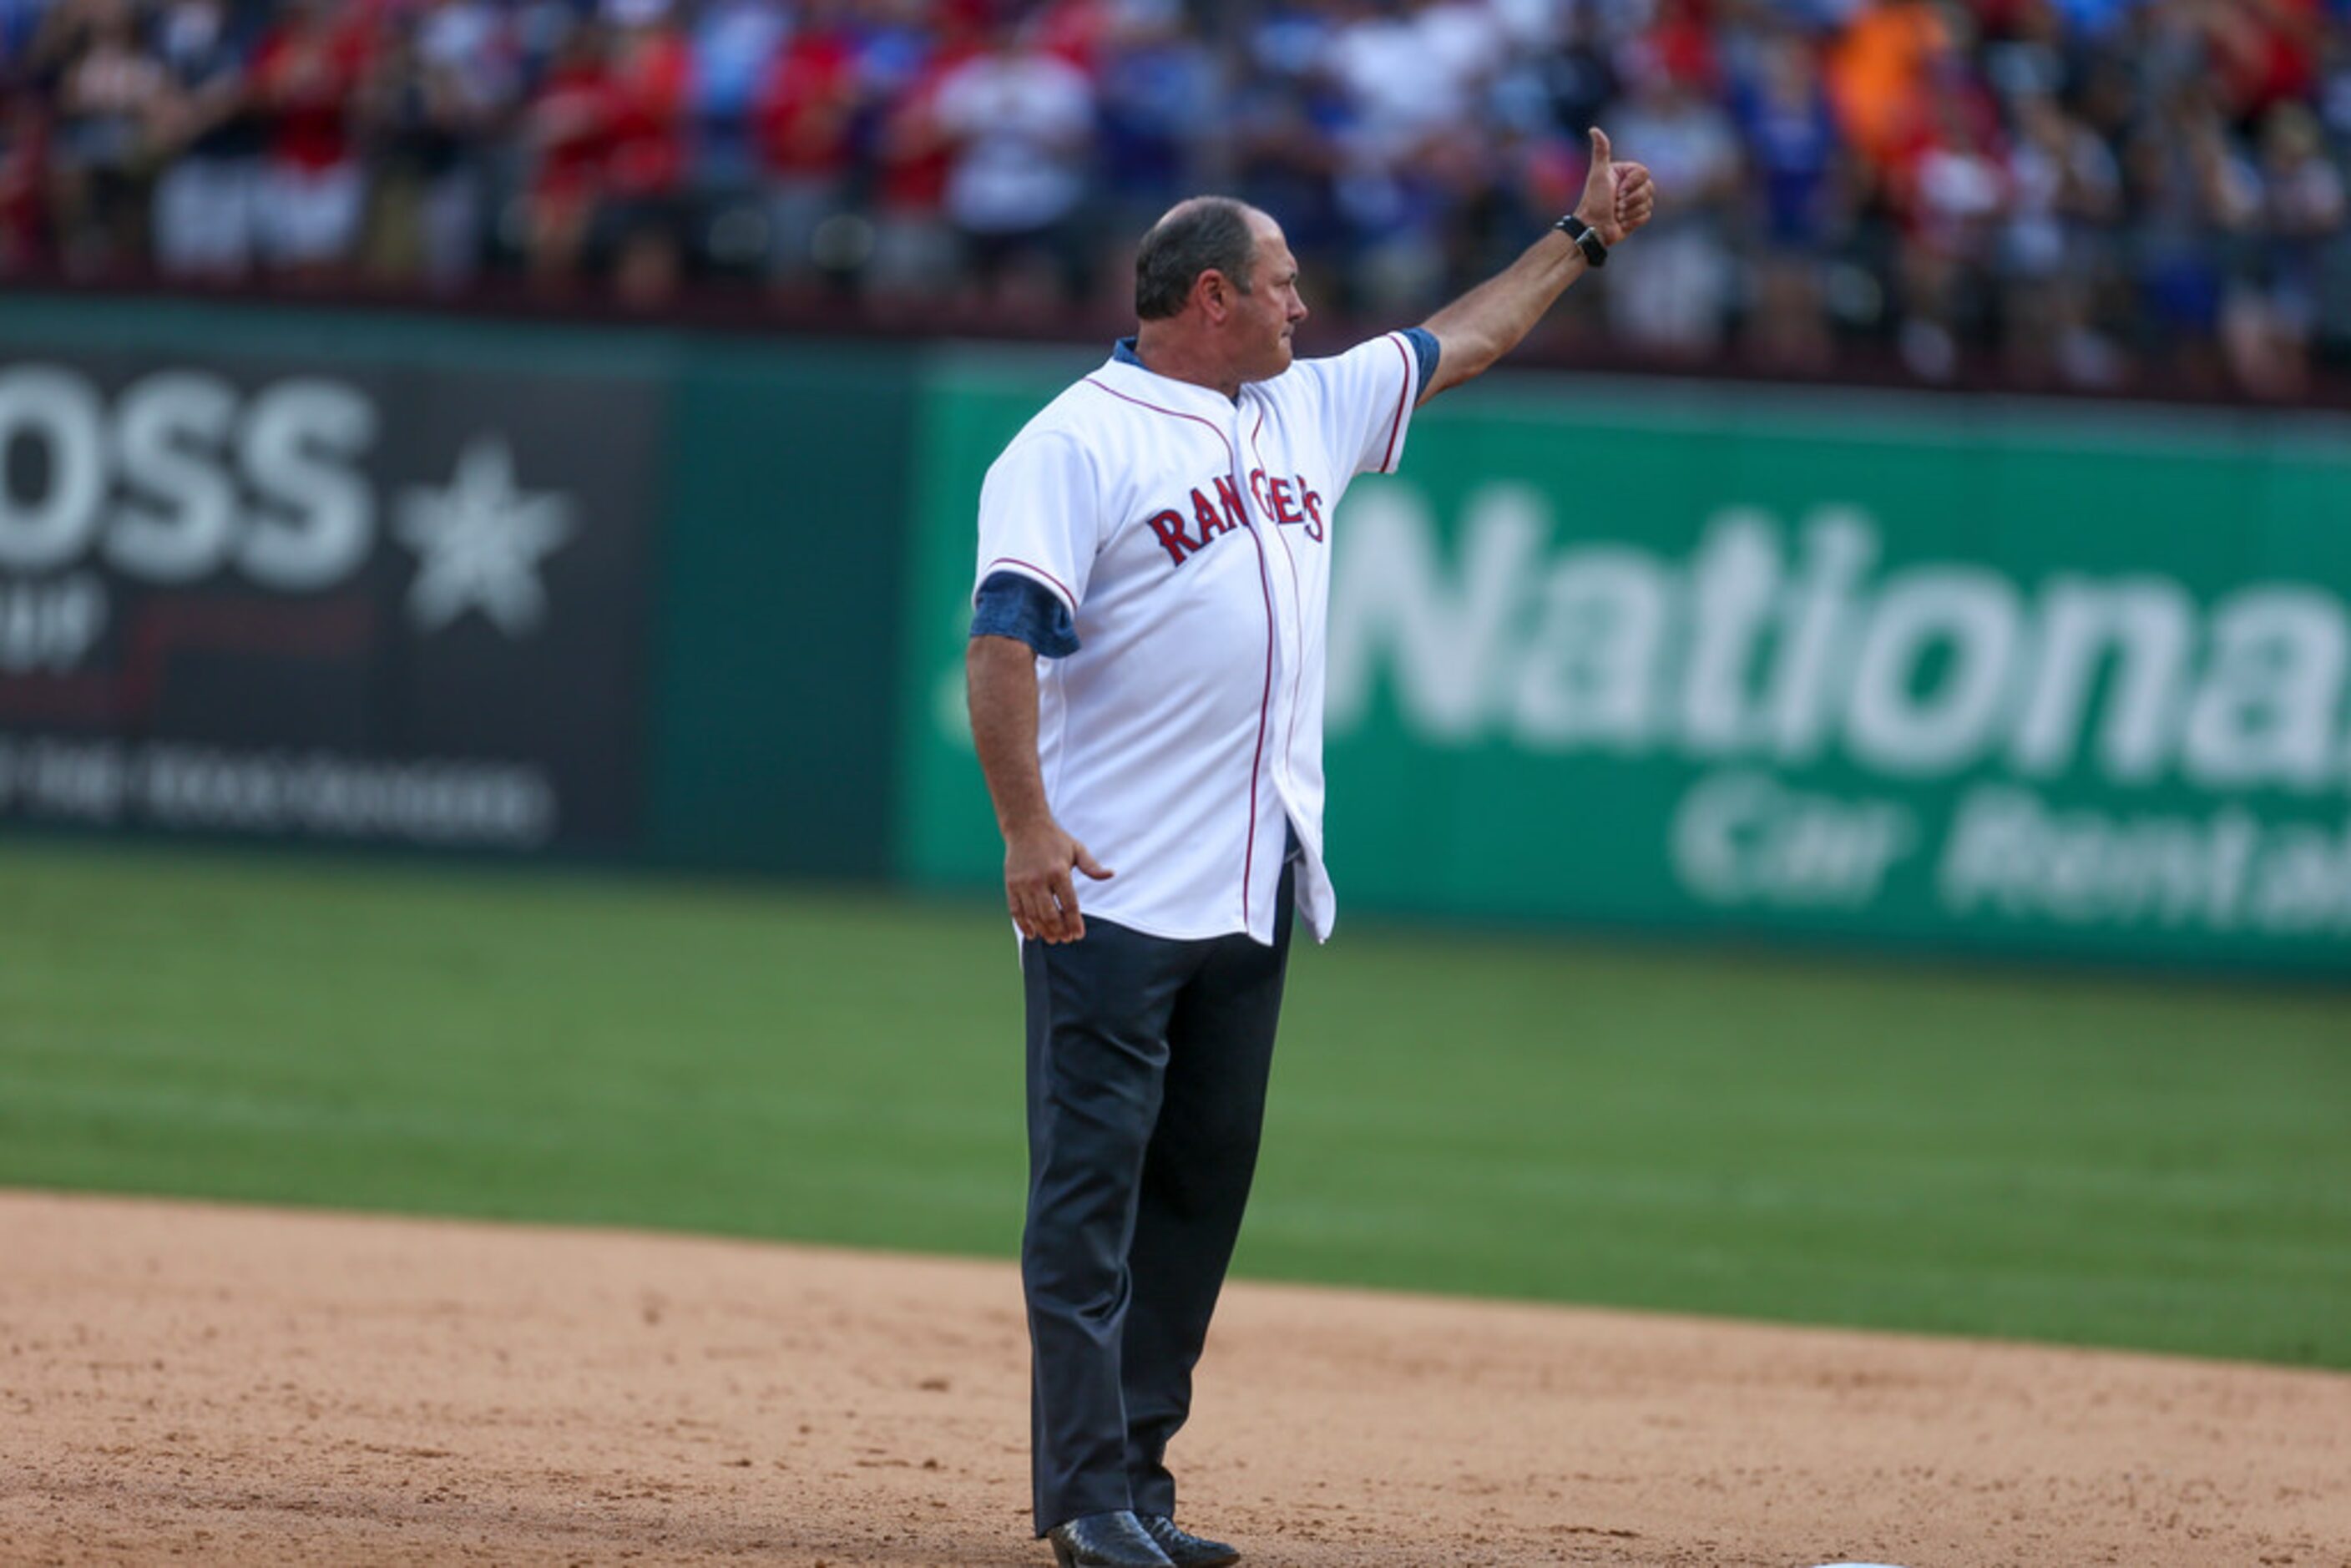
480	542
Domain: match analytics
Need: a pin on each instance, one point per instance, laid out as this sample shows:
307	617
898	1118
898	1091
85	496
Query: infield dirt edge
204	1384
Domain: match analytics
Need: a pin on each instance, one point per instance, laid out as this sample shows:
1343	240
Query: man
1146	673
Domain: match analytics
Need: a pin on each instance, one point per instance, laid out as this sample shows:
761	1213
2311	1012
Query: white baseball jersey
1190	537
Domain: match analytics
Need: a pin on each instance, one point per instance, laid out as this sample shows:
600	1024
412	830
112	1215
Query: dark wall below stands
788	482
695	666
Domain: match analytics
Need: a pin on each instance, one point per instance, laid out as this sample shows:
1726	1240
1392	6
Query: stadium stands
2126	194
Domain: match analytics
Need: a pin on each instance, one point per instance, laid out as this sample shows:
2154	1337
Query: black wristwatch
1587	239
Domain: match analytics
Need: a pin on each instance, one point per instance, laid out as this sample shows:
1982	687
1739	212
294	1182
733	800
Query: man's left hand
1618	197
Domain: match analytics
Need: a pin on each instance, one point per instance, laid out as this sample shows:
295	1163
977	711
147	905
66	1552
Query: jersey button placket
1279	717
1265	770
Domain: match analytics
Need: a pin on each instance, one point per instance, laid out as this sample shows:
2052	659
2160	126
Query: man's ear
1214	291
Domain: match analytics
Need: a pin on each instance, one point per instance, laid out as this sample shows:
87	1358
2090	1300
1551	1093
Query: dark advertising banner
336	600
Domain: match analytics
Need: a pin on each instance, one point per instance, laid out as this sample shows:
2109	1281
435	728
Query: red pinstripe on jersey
1396	428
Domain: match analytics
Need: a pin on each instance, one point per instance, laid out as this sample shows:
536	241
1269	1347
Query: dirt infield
197	1385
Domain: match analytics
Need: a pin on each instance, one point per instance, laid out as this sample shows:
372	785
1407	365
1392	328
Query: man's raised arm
1492	319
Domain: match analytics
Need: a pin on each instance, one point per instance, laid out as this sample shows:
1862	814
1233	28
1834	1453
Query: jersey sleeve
1366	397
1041	515
1023	609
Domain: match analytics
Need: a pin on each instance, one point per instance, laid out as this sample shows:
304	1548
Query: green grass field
2044	1156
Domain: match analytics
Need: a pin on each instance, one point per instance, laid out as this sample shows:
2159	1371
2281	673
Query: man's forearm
1494	318
1001	675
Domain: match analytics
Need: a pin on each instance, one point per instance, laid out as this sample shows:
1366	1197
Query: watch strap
1587	239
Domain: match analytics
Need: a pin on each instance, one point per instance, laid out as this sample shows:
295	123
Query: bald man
1146	679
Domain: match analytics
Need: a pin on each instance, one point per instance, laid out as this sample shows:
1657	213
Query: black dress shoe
1105	1541
1184	1549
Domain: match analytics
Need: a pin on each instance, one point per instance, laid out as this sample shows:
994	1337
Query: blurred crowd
2083	193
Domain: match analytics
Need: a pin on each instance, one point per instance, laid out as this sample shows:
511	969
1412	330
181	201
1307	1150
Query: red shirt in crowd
571	119
24	179
916	155
805	103
2269	54
652	72
306	74
1681	42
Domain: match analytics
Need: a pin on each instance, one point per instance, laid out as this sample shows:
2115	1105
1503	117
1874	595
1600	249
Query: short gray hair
1205	232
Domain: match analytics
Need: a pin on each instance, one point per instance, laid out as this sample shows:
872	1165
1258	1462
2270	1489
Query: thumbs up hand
1618	197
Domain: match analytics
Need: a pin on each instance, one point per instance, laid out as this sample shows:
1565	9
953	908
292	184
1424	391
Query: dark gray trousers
1147	1065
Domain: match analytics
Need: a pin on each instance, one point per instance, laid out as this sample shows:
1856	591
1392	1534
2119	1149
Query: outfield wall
1878	670
359	581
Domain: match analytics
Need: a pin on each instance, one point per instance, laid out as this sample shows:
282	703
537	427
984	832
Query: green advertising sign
1898	670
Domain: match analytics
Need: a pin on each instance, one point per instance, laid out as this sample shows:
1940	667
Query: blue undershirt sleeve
1424	344
1011	605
